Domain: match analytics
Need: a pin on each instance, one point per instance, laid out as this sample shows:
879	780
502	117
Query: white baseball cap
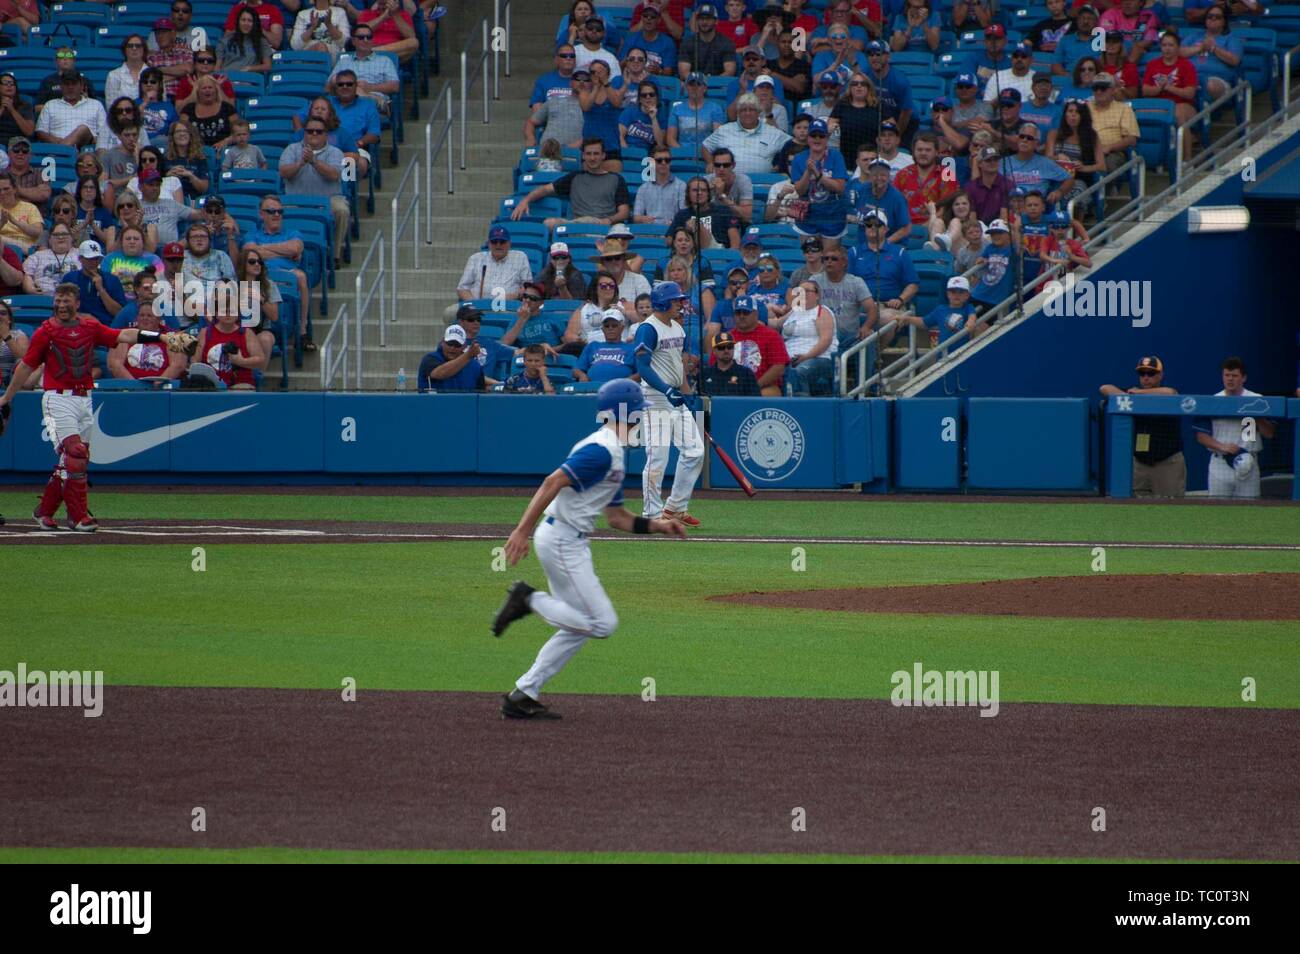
90	249
613	314
764	80
957	282
997	225
454	333
559	248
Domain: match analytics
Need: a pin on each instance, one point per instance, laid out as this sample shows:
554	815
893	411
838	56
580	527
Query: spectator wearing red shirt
672	16
393	28
1117	64
205	64
172	59
866	14
737	25
758	348
923	181
1173	77
271	18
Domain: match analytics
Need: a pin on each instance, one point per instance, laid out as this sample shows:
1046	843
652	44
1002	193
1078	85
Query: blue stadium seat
1156	124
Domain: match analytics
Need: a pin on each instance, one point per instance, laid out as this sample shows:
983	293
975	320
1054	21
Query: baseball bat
730	464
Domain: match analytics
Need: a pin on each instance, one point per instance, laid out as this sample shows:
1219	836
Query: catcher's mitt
179	341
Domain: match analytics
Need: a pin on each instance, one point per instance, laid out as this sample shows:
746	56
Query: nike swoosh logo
107	449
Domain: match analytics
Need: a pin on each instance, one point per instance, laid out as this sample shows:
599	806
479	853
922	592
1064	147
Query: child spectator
533	379
240	154
551	156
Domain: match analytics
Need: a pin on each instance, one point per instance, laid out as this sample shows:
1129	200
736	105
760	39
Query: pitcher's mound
1227	596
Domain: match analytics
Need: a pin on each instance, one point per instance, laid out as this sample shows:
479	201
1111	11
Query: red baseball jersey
212	354
68	351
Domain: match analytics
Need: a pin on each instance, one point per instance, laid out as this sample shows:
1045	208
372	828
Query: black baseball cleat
515	607
518	705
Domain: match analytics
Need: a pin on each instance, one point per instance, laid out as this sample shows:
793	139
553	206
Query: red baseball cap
173	250
994	29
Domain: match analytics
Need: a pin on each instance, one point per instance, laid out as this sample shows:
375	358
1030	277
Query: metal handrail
1286	76
497	9
378	287
853	349
467	80
1240	89
431	150
400	222
330	365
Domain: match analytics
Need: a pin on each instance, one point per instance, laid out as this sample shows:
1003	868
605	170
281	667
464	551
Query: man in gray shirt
120	162
594	196
313	167
658	201
560	115
164	213
847	295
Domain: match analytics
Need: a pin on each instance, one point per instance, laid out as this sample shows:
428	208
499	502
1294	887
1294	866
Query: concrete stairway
426	284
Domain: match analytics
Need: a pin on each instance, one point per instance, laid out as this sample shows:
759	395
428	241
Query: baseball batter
66	344
1234	469
588	482
659	346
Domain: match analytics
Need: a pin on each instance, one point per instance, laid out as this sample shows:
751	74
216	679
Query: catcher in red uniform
66	345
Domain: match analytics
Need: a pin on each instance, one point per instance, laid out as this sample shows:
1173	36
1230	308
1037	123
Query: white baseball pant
576	605
63	415
1223	480
663	427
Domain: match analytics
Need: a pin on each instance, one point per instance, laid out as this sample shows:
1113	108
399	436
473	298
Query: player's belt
581	536
72	392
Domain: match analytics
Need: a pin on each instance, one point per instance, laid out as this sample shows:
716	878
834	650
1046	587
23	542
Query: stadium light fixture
1217	218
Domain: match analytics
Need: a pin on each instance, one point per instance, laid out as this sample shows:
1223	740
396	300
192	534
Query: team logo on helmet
770	444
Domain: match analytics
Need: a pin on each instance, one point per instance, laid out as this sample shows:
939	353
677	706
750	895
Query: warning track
331	531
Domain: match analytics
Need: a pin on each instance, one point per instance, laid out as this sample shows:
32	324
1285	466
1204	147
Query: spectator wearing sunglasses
452	366
500	272
1159	469
204	64
125	80
660	50
531	327
65	66
590	48
561	278
659	200
314	167
725	378
376	75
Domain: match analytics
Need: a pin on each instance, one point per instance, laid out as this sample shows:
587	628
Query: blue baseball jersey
893	203
827	209
523	384
603	361
595	467
886	272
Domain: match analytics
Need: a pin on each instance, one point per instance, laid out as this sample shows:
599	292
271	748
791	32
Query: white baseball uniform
63	415
664	425
576	605
1223	480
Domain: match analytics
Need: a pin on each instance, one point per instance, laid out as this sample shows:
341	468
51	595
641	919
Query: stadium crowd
151	152
844	164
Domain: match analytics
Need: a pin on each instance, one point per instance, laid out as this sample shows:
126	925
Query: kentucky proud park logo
770	444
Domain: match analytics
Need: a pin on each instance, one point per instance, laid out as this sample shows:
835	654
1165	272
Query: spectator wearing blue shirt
1075	46
878	194
558	82
997	279
841	59
452	365
957	313
359	115
280	248
724	315
612	358
893	88
1039	108
820	177
531	327
887	269
638	126
601	102
143	286
533	379
1215	51
1034	172
694	119
660	50
992	58
916	28
102	295
840	13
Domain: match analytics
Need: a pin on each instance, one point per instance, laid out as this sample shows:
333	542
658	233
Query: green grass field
414	616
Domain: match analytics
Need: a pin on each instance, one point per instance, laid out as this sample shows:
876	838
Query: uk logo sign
770	444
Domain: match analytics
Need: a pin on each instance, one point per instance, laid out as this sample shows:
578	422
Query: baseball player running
590	480
659	346
66	345
1234	470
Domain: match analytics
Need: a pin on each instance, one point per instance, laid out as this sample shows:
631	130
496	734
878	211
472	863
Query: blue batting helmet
620	392
664	294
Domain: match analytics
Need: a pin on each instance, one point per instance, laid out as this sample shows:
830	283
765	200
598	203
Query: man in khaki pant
1159	469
